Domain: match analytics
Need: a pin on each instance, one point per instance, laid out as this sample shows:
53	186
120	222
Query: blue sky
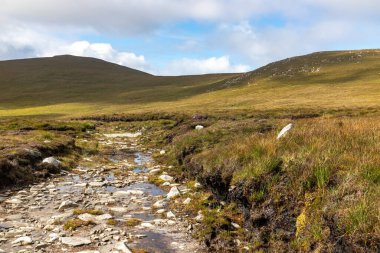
174	37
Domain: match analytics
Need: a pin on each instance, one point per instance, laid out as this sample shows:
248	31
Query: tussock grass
325	167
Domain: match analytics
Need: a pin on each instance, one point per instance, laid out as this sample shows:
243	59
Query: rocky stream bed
91	208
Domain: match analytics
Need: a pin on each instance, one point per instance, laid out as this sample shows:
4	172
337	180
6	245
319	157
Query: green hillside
70	79
77	85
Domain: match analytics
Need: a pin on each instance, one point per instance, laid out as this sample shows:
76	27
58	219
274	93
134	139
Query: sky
181	37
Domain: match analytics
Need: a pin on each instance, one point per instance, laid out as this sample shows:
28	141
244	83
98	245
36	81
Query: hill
77	85
70	79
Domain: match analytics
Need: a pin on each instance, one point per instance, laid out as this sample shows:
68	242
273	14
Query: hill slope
76	85
68	79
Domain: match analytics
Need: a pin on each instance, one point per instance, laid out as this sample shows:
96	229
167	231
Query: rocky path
104	205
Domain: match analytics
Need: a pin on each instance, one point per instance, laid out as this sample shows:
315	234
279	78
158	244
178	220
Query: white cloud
103	51
18	42
187	66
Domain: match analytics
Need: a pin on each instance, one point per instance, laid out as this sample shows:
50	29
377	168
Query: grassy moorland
70	86
315	190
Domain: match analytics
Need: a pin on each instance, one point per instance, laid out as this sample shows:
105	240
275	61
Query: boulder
174	192
52	161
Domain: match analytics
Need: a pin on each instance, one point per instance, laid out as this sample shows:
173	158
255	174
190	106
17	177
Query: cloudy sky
172	37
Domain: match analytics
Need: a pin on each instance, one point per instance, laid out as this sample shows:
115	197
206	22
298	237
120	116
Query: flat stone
13	201
67	204
97	184
75	241
166	178
154	171
118	209
160	204
24	240
146	225
94	218
122	194
121	246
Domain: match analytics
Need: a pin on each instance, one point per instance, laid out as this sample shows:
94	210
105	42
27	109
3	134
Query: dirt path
117	208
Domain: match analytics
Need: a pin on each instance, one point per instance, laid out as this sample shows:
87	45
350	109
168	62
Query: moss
131	222
76	223
90	211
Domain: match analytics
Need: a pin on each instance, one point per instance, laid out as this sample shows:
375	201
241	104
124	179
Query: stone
89	251
146	225
13	201
162	152
199	217
174	192
197	185
75	241
121	246
154	171
170	215
186	201
166	178
24	240
199	127
121	135
284	130
67	204
160	204
160	211
171	222
53	161
97	184
118	209
123	194
53	237
235	225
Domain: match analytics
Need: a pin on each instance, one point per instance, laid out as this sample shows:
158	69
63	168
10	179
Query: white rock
66	204
123	194
24	240
187	201
53	237
162	152
121	246
199	127
199	217
170	215
97	184
284	130
13	201
174	192
160	211
166	184
197	185
51	160
127	135
118	209
235	225
154	171
146	225
81	185
159	204
89	251
166	178
75	241
171	222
